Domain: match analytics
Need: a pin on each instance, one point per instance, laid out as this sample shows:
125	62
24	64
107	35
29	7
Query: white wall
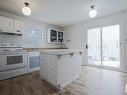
78	33
31	22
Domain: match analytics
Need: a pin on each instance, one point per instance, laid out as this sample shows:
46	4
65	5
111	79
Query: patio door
104	46
94	46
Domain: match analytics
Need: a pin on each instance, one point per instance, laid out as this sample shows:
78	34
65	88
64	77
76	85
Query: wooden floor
93	81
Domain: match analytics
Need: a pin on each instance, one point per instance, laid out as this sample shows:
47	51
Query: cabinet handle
18	30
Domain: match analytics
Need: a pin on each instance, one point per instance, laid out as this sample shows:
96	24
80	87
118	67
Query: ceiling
63	12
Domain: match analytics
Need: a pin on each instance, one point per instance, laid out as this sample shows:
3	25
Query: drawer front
12	73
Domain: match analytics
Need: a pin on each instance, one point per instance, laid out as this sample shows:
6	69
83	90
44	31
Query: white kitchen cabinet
69	68
60	69
49	68
55	36
6	24
18	27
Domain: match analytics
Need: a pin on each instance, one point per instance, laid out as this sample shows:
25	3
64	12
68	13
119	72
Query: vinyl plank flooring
92	81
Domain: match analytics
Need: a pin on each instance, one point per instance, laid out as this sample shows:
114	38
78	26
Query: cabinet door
6	24
77	62
18	27
44	66
60	37
48	65
52	36
52	68
65	69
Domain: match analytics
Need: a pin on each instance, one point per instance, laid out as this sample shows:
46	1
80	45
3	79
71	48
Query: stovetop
11	45
11	49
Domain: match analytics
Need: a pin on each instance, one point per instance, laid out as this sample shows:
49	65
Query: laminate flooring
92	81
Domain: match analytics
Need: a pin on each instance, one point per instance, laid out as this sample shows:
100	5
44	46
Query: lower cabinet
60	70
12	73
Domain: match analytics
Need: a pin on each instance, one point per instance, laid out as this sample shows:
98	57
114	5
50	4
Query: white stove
13	60
10	47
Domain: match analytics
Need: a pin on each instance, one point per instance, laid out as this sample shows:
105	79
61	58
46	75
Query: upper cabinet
6	24
55	36
11	26
52	36
18	27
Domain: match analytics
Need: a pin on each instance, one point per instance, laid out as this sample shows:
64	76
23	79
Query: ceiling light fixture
26	10
92	12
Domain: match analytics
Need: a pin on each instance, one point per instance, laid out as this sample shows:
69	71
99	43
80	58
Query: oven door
11	61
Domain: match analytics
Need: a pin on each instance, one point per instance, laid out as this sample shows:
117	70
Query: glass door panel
111	46
94	46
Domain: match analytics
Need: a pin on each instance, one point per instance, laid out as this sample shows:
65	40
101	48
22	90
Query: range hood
5	31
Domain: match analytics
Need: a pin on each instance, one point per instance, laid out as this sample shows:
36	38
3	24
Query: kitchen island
60	67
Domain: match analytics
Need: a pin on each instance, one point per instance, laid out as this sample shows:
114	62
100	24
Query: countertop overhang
61	51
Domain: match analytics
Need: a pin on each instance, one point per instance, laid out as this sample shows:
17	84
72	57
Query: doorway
104	46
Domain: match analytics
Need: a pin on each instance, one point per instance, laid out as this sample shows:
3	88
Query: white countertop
60	51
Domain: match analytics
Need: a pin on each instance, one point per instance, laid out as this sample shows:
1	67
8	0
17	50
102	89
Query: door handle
86	46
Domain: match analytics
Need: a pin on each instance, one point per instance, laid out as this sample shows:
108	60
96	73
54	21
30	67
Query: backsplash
7	38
